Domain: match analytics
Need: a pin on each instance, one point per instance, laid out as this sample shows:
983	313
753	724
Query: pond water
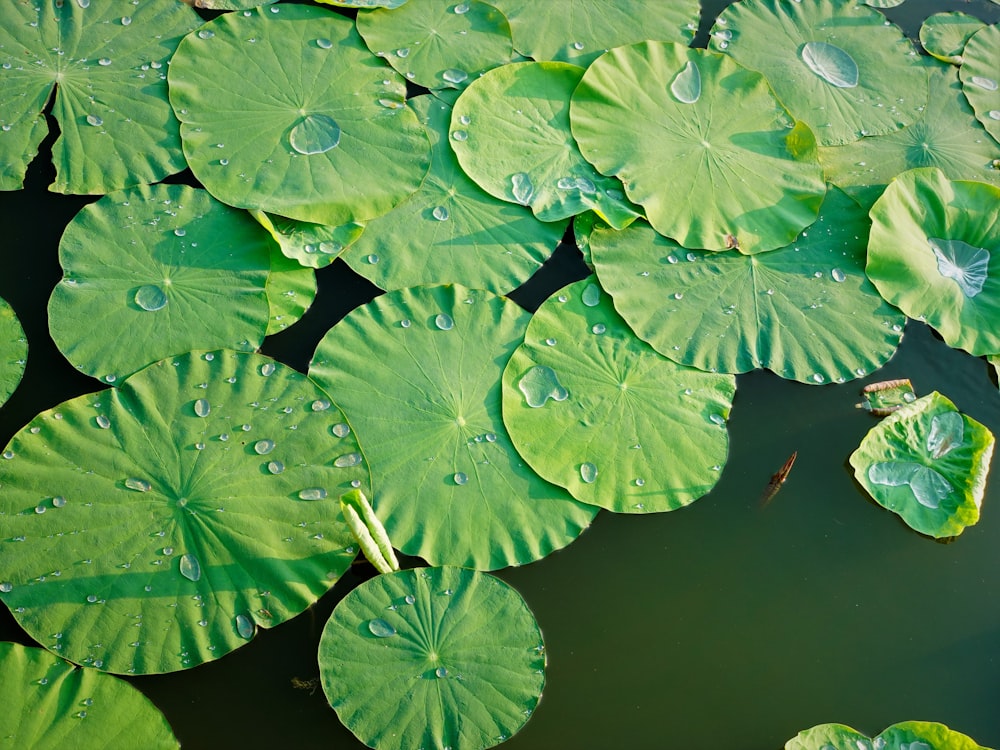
722	625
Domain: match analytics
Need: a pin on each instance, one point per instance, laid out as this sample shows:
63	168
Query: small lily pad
886	396
432	657
313	245
981	79
13	351
906	735
928	463
944	36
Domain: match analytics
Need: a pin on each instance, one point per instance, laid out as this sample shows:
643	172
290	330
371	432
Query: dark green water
722	626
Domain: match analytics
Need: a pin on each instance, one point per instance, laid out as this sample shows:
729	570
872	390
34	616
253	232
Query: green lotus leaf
838	66
313	245
432	657
158	270
228	4
906	735
980	63
290	289
364	3
828	737
947	137
106	62
13	351
317	132
934	252
422	367
510	132
450	229
806	311
577	31
50	704
635	432
702	174
928	463
159	523
944	35
438	43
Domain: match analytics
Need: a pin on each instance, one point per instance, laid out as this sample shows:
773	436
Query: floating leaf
364	3
106	62
13	351
944	35
152	527
980	76
928	463
305	136
158	270
701	173
313	245
906	735
422	367
432	657
934	252
885	397
634	432
290	289
50	703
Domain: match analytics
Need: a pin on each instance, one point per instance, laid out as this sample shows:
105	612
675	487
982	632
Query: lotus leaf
452	489
107	64
927	463
577	31
438	43
947	137
885	397
979	73
319	132
636	432
702	174
228	4
290	289
944	35
50	704
837	65
451	230
364	3
906	735
807	311
934	252
432	657
158	270
13	351
154	526
313	245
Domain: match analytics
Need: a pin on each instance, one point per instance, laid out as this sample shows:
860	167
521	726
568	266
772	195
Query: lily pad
422	367
906	735
806	311
934	252
980	63
451	230
928	463
158	270
510	132
51	704
578	31
635	432
837	65
366	4
432	657
313	245
155	526
319	132
290	289
106	63
887	396
439	43
701	173
13	351
944	36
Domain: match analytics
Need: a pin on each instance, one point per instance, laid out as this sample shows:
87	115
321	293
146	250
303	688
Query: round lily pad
906	735
107	62
319	132
154	271
510	132
13	351
980	76
422	367
944	35
432	657
290	289
592	408
154	526
702	174
51	704
934	252
838	66
451	230
928	463
806	311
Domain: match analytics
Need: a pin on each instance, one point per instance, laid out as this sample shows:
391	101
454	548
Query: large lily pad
928	463
934	252
451	230
50	704
663	119
106	62
944	35
980	63
434	658
318	132
906	735
154	526
806	311
836	64
13	351
158	270
592	408
422	367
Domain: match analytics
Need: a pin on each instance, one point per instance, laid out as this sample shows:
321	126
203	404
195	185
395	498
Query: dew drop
591	296
598	328
126	20
444	322
686	86
324	43
717	419
640	482
440	213
150	298
39	509
540	384
202	407
104	61
275	467
460	478
139	485
831	63
341	429
92	599
373	259
521	188
103	422
320	404
312	493
190	567
347	460
454	75
459	135
245	626
461	8
984	83
267	369
838	275
550	341
94	120
441	672
58	502
380	628
263	447
588	472
6	587
205	33
314	134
